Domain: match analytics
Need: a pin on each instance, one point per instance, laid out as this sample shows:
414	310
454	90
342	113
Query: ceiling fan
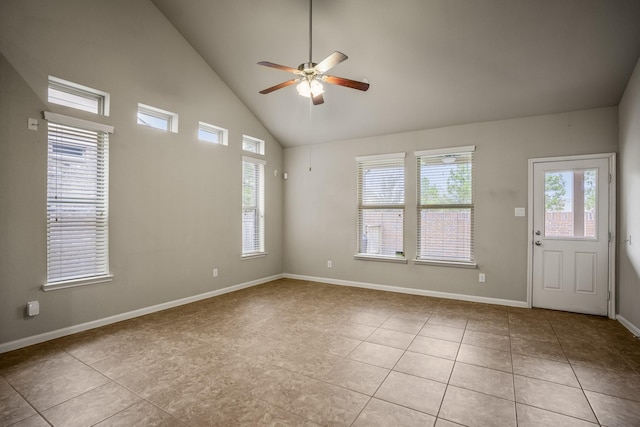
310	76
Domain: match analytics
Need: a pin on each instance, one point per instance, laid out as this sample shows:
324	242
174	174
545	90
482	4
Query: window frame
101	98
223	134
59	126
467	151
395	161
256	142
258	208
158	113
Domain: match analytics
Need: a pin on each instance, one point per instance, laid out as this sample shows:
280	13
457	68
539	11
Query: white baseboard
36	339
630	326
411	291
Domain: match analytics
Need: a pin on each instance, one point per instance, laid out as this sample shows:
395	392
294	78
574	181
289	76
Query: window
76	96
157	118
570	205
445	205
77	201
252	145
211	133
381	206
252	206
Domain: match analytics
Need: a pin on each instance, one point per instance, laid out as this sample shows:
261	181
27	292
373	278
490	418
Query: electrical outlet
482	278
215	272
329	264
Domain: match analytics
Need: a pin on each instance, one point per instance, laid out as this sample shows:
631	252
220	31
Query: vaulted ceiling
430	63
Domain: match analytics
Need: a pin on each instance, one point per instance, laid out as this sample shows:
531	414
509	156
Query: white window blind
252	206
381	205
445	204
77	202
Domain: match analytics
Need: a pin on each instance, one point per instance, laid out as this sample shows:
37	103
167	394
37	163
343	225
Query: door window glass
570	208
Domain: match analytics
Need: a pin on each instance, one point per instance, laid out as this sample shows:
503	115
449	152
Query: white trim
612	231
208	127
99	94
46	336
381	157
172	118
611	304
253	255
77	282
440	151
630	326
364	257
410	291
72	121
254	160
460	264
260	144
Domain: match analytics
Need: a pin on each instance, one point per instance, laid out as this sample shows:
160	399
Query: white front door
570	249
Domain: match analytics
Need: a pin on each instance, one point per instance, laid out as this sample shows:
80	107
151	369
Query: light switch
32	124
519	212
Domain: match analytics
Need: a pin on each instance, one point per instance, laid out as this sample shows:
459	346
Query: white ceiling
430	63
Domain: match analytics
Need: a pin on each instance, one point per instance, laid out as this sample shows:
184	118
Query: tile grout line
574	373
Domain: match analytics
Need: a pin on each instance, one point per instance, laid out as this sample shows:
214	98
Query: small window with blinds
252	207
445	205
381	207
77	201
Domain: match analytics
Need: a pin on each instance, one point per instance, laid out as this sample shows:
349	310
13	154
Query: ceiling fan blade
279	86
353	84
279	67
318	99
330	61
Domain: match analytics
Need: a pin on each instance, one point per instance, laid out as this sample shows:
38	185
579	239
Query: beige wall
629	214
174	201
320	200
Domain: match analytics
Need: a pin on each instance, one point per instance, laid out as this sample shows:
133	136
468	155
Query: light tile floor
306	354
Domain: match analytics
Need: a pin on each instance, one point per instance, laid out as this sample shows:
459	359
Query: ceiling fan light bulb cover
308	89
304	89
316	87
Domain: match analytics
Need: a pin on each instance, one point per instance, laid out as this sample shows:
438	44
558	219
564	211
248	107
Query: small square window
211	133
252	145
157	118
76	96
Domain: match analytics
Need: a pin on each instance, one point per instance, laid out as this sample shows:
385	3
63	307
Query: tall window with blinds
381	206
77	203
445	205
252	206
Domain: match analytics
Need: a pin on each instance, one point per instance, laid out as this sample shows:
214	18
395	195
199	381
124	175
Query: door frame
611	304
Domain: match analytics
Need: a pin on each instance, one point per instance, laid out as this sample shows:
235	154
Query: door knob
538	232
538	243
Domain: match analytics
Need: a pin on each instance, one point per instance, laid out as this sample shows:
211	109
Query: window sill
397	260
254	255
76	282
460	264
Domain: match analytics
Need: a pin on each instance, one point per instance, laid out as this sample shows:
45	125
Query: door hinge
609	236
609	296
609	178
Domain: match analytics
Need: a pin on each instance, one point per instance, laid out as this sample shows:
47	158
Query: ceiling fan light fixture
310	88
